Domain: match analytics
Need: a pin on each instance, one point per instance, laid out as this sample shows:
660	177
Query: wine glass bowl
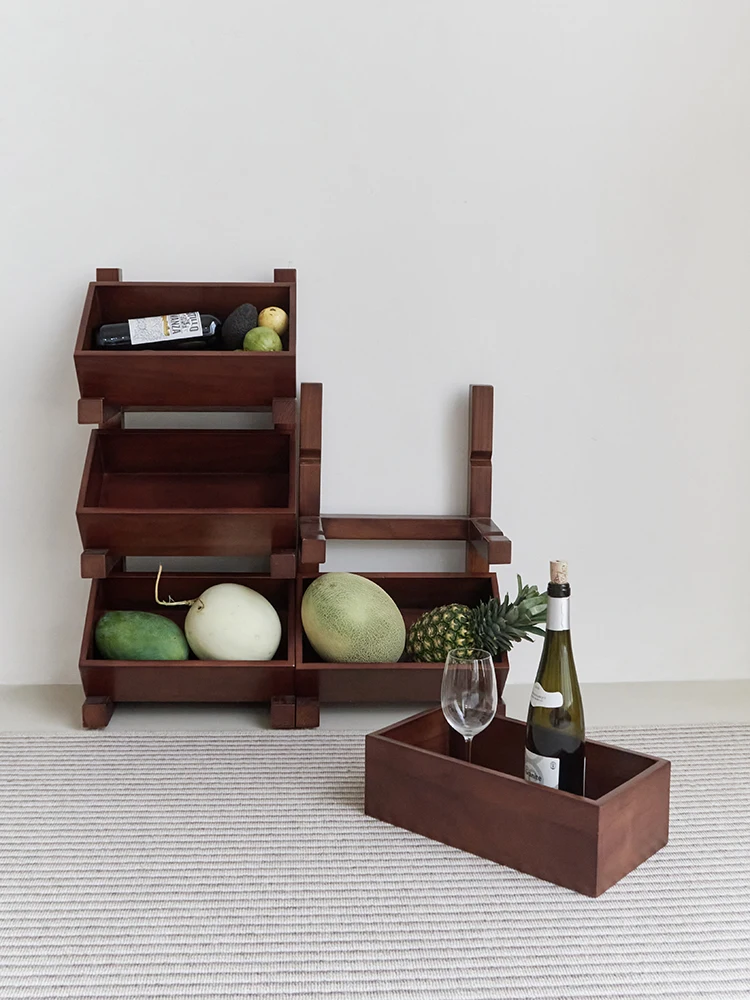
468	693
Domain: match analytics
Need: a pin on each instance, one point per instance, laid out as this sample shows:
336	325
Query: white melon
232	622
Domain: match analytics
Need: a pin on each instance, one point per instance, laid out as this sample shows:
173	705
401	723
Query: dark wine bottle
555	730
189	331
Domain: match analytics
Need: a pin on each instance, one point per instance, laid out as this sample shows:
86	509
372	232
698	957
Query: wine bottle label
542	770
545	699
152	329
558	614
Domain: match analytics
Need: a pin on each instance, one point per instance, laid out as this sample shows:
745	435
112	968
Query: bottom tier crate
107	682
406	681
415	780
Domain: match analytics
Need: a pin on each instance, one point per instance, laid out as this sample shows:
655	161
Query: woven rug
227	865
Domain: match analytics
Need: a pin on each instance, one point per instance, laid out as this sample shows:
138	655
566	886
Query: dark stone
236	325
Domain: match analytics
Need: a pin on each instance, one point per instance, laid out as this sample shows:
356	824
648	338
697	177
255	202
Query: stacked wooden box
150	492
186	492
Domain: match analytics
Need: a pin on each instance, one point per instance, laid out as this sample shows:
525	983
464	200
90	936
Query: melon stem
170	603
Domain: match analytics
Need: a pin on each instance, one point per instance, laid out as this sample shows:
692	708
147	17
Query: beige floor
58	708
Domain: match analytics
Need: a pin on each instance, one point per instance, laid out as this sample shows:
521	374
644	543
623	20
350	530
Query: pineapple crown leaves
502	623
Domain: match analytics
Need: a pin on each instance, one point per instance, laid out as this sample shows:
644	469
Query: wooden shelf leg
283	711
308	712
97	712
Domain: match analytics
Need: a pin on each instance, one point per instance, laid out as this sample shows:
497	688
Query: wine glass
469	692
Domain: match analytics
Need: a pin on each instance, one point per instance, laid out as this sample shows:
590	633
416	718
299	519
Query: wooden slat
400	528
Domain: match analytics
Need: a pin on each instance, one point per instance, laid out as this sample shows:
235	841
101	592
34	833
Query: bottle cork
558	571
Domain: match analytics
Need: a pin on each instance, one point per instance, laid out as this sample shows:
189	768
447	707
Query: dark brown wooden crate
191	379
407	681
189	492
487	808
189	680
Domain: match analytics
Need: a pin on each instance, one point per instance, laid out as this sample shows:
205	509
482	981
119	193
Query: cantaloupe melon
350	619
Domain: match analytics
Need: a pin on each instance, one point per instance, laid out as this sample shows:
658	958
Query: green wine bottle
555	730
189	331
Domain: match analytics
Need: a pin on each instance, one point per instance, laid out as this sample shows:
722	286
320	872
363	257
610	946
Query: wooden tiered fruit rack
241	493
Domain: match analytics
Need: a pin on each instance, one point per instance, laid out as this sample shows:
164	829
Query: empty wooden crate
189	492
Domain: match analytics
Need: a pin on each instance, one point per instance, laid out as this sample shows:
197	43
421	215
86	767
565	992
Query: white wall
550	196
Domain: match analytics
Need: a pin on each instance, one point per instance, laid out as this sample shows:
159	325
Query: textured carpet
226	865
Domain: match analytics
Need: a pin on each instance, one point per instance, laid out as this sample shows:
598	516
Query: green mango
139	635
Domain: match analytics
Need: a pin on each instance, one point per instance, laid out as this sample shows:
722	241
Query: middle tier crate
189	493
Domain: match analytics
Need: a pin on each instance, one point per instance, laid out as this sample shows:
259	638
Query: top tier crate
113	381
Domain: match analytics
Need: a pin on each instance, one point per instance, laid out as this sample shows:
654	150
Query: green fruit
139	635
262	338
350	619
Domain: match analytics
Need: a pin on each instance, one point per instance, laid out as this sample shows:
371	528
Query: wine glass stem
468	748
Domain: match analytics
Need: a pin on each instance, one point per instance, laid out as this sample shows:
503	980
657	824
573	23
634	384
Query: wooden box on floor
198	379
407	680
107	682
189	492
487	808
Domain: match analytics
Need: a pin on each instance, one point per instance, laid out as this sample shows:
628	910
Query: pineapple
494	625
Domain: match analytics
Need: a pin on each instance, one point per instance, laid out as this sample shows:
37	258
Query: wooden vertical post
480	469
312	539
